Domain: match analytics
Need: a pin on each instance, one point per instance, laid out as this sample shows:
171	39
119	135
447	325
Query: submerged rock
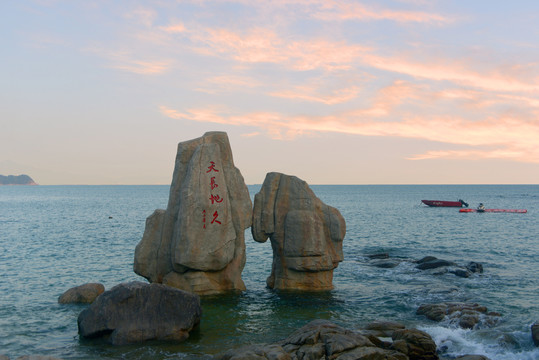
306	234
85	293
535	333
437	266
465	315
431	262
197	244
136	312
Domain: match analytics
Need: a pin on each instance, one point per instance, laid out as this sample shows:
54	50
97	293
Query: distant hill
16	180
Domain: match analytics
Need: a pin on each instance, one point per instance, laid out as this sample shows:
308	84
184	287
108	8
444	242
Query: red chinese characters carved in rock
213	198
212	167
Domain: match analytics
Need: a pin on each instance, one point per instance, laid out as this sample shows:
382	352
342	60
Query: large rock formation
197	244
306	234
136	312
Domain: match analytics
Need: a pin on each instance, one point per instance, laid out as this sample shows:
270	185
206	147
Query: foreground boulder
85	294
465	315
306	234
136	312
197	244
322	339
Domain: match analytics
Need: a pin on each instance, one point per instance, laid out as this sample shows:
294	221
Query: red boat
444	203
519	211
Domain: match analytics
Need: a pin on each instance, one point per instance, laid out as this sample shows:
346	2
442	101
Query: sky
334	92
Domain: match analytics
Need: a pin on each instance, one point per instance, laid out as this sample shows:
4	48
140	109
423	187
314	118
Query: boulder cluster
197	244
464	315
322	339
197	247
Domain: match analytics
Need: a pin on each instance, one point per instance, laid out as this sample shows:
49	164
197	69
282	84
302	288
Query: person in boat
481	207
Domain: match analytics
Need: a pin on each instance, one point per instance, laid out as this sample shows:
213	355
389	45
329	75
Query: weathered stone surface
136	312
85	293
197	244
437	266
255	352
383	328
306	234
419	344
433	263
535	333
322	339
465	315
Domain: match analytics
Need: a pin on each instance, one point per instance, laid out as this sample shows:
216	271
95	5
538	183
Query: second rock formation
306	234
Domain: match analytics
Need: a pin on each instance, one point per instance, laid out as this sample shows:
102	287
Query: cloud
126	61
227	83
308	93
502	137
343	11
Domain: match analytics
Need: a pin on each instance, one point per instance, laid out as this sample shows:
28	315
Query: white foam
454	342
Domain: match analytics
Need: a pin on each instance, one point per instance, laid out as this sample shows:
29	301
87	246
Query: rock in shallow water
306	235
197	244
322	339
136	312
86	293
535	333
465	315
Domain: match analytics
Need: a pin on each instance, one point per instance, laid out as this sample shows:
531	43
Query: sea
53	238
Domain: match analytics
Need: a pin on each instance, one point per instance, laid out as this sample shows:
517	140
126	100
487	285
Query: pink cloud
339	11
503	137
457	73
309	93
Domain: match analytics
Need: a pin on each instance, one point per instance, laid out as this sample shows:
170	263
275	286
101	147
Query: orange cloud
502	138
451	72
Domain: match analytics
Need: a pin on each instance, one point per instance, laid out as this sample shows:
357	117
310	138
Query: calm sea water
55	237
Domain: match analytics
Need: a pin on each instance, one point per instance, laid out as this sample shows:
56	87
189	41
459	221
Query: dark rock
475	267
535	333
419	344
433	263
136	312
386	264
426	259
461	272
465	315
86	294
378	256
383	328
472	357
254	352
35	357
